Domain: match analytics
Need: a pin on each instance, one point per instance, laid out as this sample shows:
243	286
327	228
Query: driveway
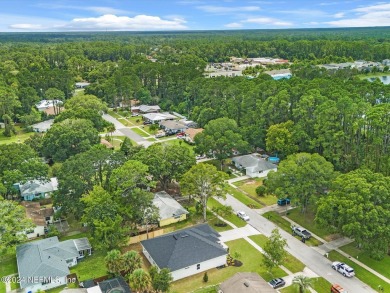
238	233
124	130
315	261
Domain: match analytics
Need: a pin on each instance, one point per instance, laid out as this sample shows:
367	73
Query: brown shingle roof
191	132
36	213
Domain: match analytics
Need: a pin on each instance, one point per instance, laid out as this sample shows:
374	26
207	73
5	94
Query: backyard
251	259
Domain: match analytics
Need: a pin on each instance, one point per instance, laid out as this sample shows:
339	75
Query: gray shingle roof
168	207
44	258
38	186
252	161
184	248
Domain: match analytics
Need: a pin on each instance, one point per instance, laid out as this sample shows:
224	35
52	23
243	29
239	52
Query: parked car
301	232
160	134
147	122
243	215
283	201
343	269
277	283
199	157
336	288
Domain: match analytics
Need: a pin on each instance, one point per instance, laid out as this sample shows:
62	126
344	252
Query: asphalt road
124	130
310	257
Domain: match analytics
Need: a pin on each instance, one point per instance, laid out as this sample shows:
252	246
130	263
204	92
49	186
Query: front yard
320	285
381	266
245	199
252	262
286	226
20	136
361	273
249	186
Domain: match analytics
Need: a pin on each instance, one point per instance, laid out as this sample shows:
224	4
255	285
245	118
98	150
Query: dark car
147	122
277	283
283	201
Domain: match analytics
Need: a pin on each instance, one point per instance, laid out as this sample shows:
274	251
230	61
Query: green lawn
114	114
286	226
125	122
251	259
180	142
213	203
135	119
140	132
245	199
20	136
151	139
7	267
91	267
249	186
75	236
318	284
2	287
208	289
15	285
361	273
381	266
55	290
290	262
307	220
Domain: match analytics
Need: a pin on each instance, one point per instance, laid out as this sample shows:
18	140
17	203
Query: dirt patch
251	182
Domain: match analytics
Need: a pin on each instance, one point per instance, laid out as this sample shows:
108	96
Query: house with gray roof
43	126
158	117
143	109
37	188
253	165
170	211
44	264
246	283
173	126
186	252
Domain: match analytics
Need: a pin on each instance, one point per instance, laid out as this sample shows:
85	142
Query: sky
168	15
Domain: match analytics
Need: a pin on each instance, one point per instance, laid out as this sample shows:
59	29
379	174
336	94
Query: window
198	266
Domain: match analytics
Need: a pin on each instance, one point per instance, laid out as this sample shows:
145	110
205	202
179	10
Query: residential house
81	85
246	283
50	107
170	210
42	126
190	134
253	165
41	217
172	126
186	252
188	123
143	109
44	264
116	285
35	189
158	117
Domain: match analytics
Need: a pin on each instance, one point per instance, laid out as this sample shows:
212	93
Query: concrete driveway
315	261
238	233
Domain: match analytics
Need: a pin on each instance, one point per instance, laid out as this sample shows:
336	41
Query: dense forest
341	117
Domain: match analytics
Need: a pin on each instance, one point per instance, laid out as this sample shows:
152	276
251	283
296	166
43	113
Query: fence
144	236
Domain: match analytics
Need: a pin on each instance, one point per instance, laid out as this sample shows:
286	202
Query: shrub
261	190
205	277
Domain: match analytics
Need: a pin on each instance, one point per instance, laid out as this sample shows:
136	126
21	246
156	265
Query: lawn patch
245	199
290	262
140	132
20	136
251	259
307	221
114	114
381	266
213	203
8	266
286	226
361	273
91	267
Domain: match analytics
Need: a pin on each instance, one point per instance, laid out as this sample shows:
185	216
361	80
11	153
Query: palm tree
114	262
140	280
131	261
303	283
111	129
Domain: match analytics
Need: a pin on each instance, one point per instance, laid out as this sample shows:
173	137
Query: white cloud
104	10
234	25
106	22
26	26
374	15
227	9
268	21
339	15
304	12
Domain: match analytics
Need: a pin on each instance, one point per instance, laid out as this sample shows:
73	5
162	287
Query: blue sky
150	15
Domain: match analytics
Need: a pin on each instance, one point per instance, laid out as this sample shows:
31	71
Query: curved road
310	257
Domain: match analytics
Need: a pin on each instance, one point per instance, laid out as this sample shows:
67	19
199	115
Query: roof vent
246	284
174	236
184	235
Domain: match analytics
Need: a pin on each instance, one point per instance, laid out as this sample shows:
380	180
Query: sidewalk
334	245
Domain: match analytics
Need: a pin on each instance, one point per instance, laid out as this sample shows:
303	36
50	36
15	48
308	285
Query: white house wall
59	281
257	174
38	231
204	266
